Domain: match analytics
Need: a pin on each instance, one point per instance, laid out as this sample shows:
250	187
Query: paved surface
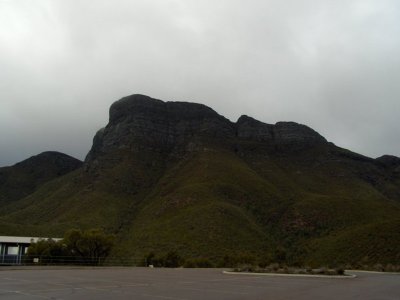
146	283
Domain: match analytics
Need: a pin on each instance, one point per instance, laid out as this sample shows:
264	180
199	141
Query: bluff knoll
178	176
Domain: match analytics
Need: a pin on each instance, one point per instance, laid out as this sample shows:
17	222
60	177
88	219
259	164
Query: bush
392	268
91	245
48	250
280	255
378	267
198	263
274	267
150	259
88	247
172	260
265	261
232	261
340	271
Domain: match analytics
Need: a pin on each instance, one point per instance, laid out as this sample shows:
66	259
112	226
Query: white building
13	248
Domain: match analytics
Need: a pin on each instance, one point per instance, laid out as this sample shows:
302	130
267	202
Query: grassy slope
80	199
366	244
23	178
62	204
216	202
205	206
329	200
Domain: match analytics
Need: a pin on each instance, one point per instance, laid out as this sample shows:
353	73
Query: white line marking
291	275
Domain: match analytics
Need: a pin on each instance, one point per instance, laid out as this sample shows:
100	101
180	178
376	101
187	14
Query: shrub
379	268
340	271
198	263
47	248
150	258
172	260
265	261
280	255
274	267
232	261
89	246
392	268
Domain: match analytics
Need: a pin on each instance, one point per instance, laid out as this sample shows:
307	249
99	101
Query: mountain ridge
174	122
179	176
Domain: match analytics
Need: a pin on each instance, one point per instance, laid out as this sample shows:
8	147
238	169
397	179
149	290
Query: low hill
179	176
23	178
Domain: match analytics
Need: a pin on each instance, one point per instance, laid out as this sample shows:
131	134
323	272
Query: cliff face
282	133
138	122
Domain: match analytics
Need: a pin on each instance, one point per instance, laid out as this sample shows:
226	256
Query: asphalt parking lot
146	283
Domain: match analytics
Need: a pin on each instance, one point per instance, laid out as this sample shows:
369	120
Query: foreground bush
170	260
198	263
283	269
77	247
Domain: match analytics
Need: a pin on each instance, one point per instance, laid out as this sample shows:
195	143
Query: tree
91	245
48	251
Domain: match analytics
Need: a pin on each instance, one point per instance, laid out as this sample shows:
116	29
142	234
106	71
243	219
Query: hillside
178	176
23	178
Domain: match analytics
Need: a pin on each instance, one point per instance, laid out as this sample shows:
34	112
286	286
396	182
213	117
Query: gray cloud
332	65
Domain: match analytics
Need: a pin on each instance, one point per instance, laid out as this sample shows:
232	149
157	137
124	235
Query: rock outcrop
389	161
282	133
139	121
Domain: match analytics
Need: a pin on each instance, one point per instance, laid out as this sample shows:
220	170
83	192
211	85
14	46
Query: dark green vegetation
177	177
277	269
91	246
25	177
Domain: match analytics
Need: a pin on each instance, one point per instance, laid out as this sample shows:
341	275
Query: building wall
12	253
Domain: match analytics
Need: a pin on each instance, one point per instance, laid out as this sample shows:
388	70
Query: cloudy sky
333	65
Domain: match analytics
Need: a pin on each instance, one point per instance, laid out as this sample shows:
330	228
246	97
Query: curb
375	272
350	276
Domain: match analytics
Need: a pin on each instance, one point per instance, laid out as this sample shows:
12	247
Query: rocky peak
138	121
280	133
249	128
133	105
141	105
141	122
389	161
292	132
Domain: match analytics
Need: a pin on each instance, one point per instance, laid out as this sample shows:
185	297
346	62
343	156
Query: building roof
23	239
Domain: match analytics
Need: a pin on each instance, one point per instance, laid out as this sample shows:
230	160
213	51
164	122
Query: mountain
23	178
179	176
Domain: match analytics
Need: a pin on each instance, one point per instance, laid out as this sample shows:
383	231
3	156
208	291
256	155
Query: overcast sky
332	65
